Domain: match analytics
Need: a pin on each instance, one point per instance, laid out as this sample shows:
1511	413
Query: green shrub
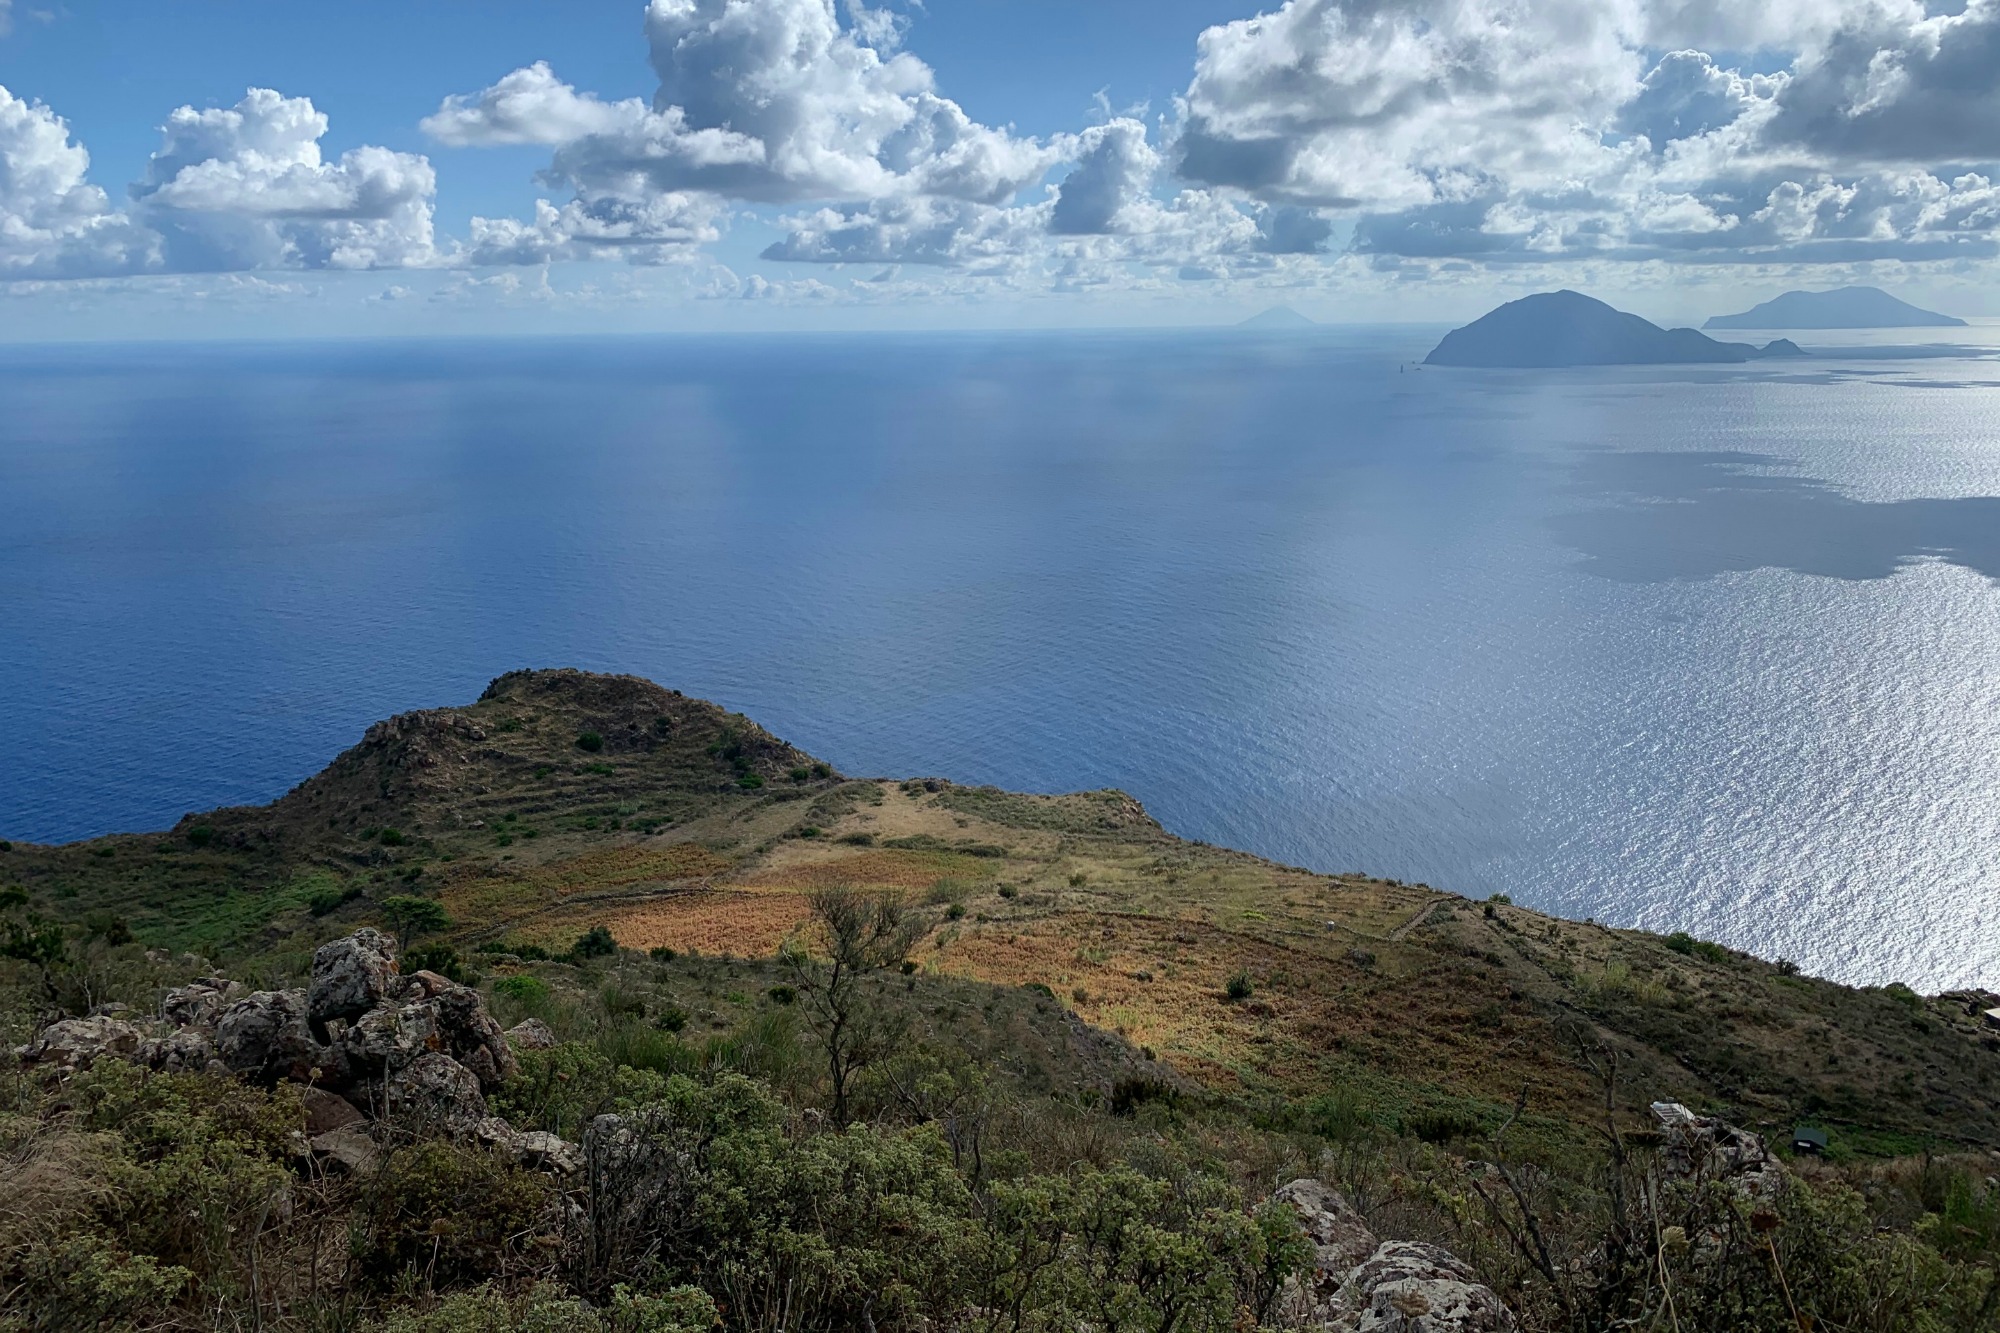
749	782
589	741
546	1308
594	943
441	959
393	837
660	953
442	1214
1239	986
201	835
563	1088
326	901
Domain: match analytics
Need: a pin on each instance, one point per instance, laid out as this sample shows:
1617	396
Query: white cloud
229	190
245	187
768	102
1517	133
53	222
530	105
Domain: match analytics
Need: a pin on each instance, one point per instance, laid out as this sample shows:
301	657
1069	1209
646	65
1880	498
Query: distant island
1844	308
1552	329
1278	317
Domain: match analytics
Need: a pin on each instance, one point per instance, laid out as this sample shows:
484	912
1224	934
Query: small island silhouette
1552	329
1842	308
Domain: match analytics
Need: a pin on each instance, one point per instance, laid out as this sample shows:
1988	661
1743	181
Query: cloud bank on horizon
1325	135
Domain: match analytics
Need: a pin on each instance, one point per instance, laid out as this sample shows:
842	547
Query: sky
224	168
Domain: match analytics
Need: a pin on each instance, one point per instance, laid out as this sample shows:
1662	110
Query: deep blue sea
1711	649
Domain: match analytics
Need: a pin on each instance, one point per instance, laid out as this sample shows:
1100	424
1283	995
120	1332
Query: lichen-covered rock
530	1035
185	1050
1409	1287
435	1090
348	1149
473	1036
530	1148
264	1037
1702	1148
199	1003
1341	1241
76	1043
326	1112
350	976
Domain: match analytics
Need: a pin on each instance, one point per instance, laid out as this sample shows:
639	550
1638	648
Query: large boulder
437	1091
530	1034
264	1037
428	1015
199	1003
1700	1148
76	1043
1409	1287
350	976
184	1050
1341	1241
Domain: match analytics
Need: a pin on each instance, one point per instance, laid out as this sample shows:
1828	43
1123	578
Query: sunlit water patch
1707	649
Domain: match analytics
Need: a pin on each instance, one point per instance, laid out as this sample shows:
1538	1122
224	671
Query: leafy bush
563	1088
201	835
546	1308
590	741
444	1214
326	901
441	959
1683	943
1239	986
594	943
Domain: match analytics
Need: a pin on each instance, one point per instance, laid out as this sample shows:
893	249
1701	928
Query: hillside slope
560	801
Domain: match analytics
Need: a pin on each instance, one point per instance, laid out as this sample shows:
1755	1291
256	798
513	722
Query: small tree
409	916
859	934
27	937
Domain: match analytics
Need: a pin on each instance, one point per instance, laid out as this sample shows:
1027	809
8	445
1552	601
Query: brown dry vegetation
693	829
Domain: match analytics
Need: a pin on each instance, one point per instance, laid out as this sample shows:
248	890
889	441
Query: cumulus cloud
530	105
245	187
772	102
1509	132
53	222
229	190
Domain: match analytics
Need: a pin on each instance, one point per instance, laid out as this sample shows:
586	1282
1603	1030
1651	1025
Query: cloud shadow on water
1698	515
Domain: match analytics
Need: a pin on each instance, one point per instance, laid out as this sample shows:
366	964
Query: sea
1713	649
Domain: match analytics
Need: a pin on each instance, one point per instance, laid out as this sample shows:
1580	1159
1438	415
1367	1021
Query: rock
182	1051
1341	1241
1408	1287
530	1035
473	1036
74	1043
326	1112
349	1148
448	1018
1701	1148
199	1003
530	1148
263	1037
350	976
435	1089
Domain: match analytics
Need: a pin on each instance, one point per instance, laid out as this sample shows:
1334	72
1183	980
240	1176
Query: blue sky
447	165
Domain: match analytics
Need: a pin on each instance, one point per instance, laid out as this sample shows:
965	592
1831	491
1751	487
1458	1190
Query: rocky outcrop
371	1046
1408	1287
1699	1148
77	1043
530	1035
1341	1241
263	1037
350	976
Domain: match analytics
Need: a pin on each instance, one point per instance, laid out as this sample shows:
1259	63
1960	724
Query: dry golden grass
883	868
492	898
745	924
